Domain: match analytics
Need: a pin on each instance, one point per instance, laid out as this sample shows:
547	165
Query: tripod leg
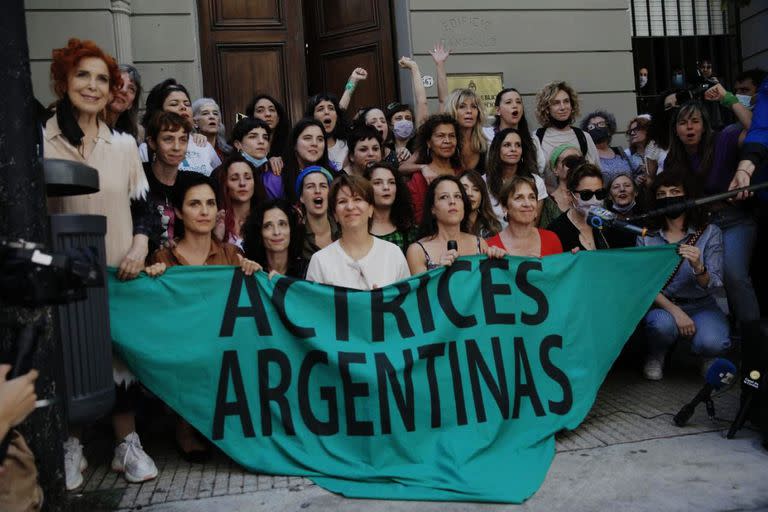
740	417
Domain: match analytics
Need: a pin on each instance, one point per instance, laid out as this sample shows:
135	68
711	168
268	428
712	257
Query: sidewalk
627	455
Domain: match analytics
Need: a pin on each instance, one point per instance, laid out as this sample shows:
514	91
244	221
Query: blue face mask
256	162
677	81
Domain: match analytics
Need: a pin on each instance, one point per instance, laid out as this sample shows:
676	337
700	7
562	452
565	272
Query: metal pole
23	214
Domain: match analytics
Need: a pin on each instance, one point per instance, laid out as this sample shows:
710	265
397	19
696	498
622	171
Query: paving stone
627	409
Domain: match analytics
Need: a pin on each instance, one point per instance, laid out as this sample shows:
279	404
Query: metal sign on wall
486	86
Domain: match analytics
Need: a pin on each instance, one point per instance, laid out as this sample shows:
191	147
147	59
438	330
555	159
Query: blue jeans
739	234
712	335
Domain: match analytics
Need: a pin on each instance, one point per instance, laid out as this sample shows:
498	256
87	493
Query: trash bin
83	325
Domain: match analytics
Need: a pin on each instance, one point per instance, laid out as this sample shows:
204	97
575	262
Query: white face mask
584	206
745	100
643	81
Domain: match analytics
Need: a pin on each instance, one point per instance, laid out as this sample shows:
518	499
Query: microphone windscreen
721	373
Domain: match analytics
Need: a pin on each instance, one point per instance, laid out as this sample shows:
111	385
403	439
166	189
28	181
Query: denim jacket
684	286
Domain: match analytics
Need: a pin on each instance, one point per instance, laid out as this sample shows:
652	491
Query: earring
506	218
429	152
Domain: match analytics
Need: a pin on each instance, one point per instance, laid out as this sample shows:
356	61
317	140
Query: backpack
579	136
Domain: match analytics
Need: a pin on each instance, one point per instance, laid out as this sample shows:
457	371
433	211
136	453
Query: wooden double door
290	49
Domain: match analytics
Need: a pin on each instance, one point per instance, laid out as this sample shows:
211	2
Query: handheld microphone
600	218
453	245
720	374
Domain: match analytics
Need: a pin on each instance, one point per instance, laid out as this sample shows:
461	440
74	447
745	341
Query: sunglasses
572	162
586	195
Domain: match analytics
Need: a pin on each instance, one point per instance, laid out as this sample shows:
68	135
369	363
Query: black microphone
600	218
720	374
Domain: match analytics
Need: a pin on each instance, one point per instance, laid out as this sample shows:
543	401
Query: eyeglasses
634	131
586	195
599	124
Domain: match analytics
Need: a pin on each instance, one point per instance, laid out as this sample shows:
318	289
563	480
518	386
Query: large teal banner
448	386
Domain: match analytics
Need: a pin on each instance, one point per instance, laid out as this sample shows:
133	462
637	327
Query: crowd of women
364	199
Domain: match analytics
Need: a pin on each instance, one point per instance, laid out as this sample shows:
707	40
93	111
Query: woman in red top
438	152
521	237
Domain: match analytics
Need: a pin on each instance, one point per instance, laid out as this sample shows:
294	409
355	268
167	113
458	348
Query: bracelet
729	100
351	86
703	271
744	171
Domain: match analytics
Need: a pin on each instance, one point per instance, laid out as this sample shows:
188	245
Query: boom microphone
691	203
600	218
720	374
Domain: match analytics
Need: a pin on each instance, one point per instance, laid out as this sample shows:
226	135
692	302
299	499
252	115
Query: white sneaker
74	463
131	460
654	367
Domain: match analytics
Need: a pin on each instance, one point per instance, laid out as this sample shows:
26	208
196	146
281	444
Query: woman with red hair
84	79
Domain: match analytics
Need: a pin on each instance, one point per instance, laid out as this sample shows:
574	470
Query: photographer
18	474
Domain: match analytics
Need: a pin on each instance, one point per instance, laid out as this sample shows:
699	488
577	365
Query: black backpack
580	136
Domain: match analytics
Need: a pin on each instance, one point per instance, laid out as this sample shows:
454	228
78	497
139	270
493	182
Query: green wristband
729	100
351	86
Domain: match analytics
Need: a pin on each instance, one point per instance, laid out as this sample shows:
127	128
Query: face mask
560	124
663	202
677	81
599	134
257	162
745	100
623	209
643	81
403	129
584	206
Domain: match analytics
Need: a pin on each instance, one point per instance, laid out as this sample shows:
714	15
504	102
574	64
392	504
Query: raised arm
421	108
358	75
440	54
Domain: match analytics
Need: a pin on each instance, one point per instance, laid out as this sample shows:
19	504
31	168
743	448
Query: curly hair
494	168
547	94
477	141
424	135
66	59
486	220
401	212
610	120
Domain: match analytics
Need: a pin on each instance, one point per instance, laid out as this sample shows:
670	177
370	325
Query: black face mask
559	124
599	134
663	202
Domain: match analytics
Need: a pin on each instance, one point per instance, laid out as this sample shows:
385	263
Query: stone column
121	20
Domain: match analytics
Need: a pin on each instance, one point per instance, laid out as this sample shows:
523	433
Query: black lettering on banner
352	390
489	290
458	387
230	367
276	394
278	301
256	310
498	387
521	279
444	295
425	306
341	306
556	374
529	388
403	398
327	393
395	307
430	353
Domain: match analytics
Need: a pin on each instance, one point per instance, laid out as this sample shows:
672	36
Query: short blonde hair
478	142
546	96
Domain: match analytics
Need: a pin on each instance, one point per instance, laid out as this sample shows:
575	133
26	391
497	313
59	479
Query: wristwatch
703	271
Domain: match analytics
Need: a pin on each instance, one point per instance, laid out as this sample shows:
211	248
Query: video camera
695	91
30	276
